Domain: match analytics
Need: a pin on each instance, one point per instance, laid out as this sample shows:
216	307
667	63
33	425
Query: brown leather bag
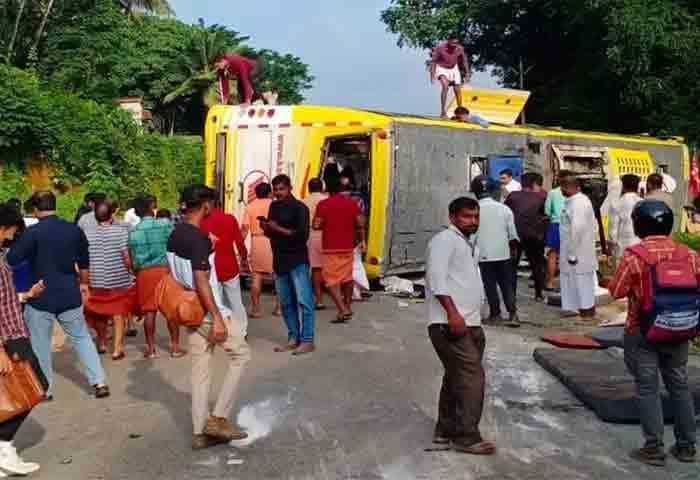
20	391
178	304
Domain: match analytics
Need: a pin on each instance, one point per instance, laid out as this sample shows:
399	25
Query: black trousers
23	348
462	392
534	251
497	275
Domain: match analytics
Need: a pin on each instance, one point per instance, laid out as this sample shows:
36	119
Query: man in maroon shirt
448	61
225	234
243	68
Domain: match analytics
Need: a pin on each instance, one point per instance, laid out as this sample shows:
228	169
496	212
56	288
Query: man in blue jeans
54	247
288	230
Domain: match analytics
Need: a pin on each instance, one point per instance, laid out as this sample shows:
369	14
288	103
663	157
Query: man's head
164	213
197	201
570	185
461	114
483	186
655	182
10	223
532	182
453	41
282	187
263	190
315	185
93	198
563	174
145	205
464	215
15	203
104	211
506	176
652	218
334	185
44	203
630	183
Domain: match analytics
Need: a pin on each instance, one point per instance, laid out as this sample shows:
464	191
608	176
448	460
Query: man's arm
621	283
238	240
434	58
467	68
437	266
360	226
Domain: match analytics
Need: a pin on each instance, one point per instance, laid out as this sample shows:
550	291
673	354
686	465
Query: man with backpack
660	279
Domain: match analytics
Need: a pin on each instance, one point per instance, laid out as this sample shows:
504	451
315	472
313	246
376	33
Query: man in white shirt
454	317
578	262
508	183
621	230
496	239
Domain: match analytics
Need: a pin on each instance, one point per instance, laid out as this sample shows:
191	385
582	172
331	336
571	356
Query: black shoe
513	321
440	440
684	454
493	320
101	391
653	456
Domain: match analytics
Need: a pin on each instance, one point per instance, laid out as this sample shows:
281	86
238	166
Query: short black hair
15	203
164	213
263	190
655	181
506	171
462	203
194	196
315	185
570	179
461	111
531	178
44	201
333	185
10	217
564	173
630	182
144	204
282	180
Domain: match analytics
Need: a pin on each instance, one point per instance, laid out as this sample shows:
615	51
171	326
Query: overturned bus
411	167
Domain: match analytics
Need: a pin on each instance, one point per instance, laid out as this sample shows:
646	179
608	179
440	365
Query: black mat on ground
609	336
599	379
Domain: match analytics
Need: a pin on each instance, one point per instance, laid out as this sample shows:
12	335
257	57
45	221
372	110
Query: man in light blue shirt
552	208
496	237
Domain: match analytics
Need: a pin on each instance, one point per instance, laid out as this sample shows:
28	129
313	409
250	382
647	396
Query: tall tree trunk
11	46
42	26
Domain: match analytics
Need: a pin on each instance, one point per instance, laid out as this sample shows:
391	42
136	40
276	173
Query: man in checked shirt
653	223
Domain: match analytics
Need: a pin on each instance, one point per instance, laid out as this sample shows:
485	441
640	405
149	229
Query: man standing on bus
448	63
244	69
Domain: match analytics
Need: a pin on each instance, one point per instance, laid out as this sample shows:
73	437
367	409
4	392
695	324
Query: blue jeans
40	325
644	361
296	293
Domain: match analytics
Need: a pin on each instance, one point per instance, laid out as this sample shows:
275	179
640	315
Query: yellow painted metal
500	105
637	162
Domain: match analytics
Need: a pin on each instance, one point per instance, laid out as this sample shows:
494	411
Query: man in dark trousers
531	222
287	226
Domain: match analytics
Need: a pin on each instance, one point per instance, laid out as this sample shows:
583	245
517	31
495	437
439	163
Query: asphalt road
361	407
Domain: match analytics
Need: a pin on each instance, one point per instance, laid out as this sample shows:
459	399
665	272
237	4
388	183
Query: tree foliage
621	65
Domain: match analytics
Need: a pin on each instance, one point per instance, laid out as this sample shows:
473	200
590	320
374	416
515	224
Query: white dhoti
578	291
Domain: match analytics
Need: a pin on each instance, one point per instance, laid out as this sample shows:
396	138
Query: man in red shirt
225	234
243	68
446	65
342	223
653	223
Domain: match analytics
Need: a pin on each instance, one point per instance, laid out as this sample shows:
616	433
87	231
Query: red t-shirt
227	232
339	214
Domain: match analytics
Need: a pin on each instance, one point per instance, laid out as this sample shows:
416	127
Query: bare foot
304	348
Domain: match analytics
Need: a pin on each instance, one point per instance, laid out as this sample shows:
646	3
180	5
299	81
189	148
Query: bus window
351	156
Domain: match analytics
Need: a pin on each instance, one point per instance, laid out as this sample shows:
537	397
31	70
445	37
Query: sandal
178	353
101	350
481	448
119	356
304	348
342	318
320	306
290	347
150	355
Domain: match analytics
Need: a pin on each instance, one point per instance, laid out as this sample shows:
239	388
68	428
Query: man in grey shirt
454	316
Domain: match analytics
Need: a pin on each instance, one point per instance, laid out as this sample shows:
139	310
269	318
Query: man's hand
457	325
363	247
36	290
213	238
219	332
85	291
5	363
245	266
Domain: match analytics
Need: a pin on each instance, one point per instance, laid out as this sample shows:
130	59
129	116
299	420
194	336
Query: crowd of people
483	244
101	274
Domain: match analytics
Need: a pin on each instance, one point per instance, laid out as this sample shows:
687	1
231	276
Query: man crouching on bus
454	316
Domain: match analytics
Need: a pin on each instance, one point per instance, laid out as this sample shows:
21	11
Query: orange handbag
178	304
20	391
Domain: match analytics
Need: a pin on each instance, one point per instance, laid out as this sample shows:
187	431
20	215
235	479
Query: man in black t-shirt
288	230
189	252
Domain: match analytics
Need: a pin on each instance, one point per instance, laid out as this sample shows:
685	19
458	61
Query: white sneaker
13	463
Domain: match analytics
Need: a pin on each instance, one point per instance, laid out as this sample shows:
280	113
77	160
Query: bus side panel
431	167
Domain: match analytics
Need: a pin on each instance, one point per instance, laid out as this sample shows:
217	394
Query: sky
355	62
